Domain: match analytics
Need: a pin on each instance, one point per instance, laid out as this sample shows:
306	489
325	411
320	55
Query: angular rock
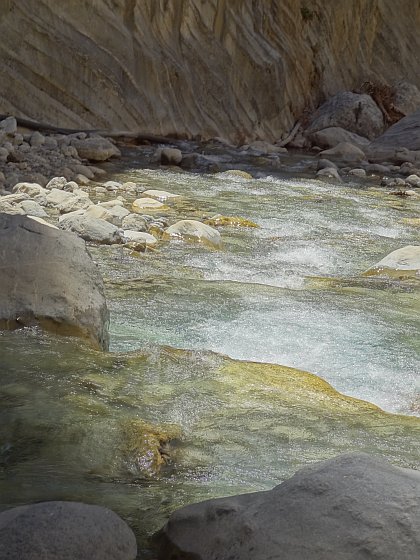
407	98
193	230
65	531
49	279
405	134
330	137
91	229
134	222
345	152
56	183
33	208
351	507
95	148
9	125
402	262
354	112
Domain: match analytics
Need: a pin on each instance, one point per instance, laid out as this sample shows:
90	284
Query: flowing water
194	334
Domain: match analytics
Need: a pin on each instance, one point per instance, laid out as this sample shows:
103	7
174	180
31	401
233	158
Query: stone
193	230
235	174
56	183
97	211
112	185
96	149
325	164
42	221
9	125
134	222
146	203
140	236
400	263
84	170
111	203
31	189
57	196
49	279
91	229
405	134
159	195
65	531
330	137
353	506
345	152
354	112
413	180
330	172
33	208
357	172
377	168
407	98
118	213
9	208
170	156
199	162
37	139
82	179
78	200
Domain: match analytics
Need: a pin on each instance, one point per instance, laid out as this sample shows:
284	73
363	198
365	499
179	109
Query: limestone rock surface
48	278
65	531
213	68
403	135
353	506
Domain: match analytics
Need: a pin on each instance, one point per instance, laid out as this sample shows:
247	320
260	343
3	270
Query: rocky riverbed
229	273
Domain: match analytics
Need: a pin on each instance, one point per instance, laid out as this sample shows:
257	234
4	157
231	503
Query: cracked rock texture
240	69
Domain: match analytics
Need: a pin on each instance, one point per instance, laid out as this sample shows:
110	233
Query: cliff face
240	69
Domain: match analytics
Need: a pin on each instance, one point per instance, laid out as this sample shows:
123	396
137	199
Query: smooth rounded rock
354	507
402	262
48	278
150	240
65	531
146	203
193	230
92	229
95	148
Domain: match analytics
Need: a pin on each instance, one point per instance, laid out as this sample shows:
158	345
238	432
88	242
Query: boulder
170	156
330	137
351	507
95	148
403	135
65	531
200	162
134	222
261	147
37	139
9	125
399	263
357	172
91	229
49	279
407	98
235	174
413	180
193	230
31	189
345	152
140	236
117	213
146	203
33	208
56	183
160	195
330	172
354	112
96	211
78	200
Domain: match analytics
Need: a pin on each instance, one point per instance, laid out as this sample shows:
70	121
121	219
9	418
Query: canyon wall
239	69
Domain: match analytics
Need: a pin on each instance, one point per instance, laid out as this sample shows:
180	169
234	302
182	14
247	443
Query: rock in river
353	506
193	230
48	278
65	531
402	262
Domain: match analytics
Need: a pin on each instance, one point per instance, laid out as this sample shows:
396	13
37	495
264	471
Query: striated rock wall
240	69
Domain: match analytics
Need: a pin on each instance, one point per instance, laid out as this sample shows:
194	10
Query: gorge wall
239	69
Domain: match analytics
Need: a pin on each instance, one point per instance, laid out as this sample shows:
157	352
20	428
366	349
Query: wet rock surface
353	506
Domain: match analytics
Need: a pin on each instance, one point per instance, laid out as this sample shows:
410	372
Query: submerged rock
234	221
353	506
49	279
399	263
65	531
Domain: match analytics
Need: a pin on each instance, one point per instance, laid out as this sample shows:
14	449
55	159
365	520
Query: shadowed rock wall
239	69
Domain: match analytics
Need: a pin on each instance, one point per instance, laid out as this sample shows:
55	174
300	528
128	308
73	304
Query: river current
195	336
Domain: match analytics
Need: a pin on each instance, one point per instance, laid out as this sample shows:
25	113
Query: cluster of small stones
34	157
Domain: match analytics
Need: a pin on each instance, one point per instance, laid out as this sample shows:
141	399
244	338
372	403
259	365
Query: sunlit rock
146	203
233	221
400	263
193	230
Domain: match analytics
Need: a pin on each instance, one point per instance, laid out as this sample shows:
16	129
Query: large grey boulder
65	531
351	507
330	137
402	136
407	98
95	148
48	278
354	112
91	229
